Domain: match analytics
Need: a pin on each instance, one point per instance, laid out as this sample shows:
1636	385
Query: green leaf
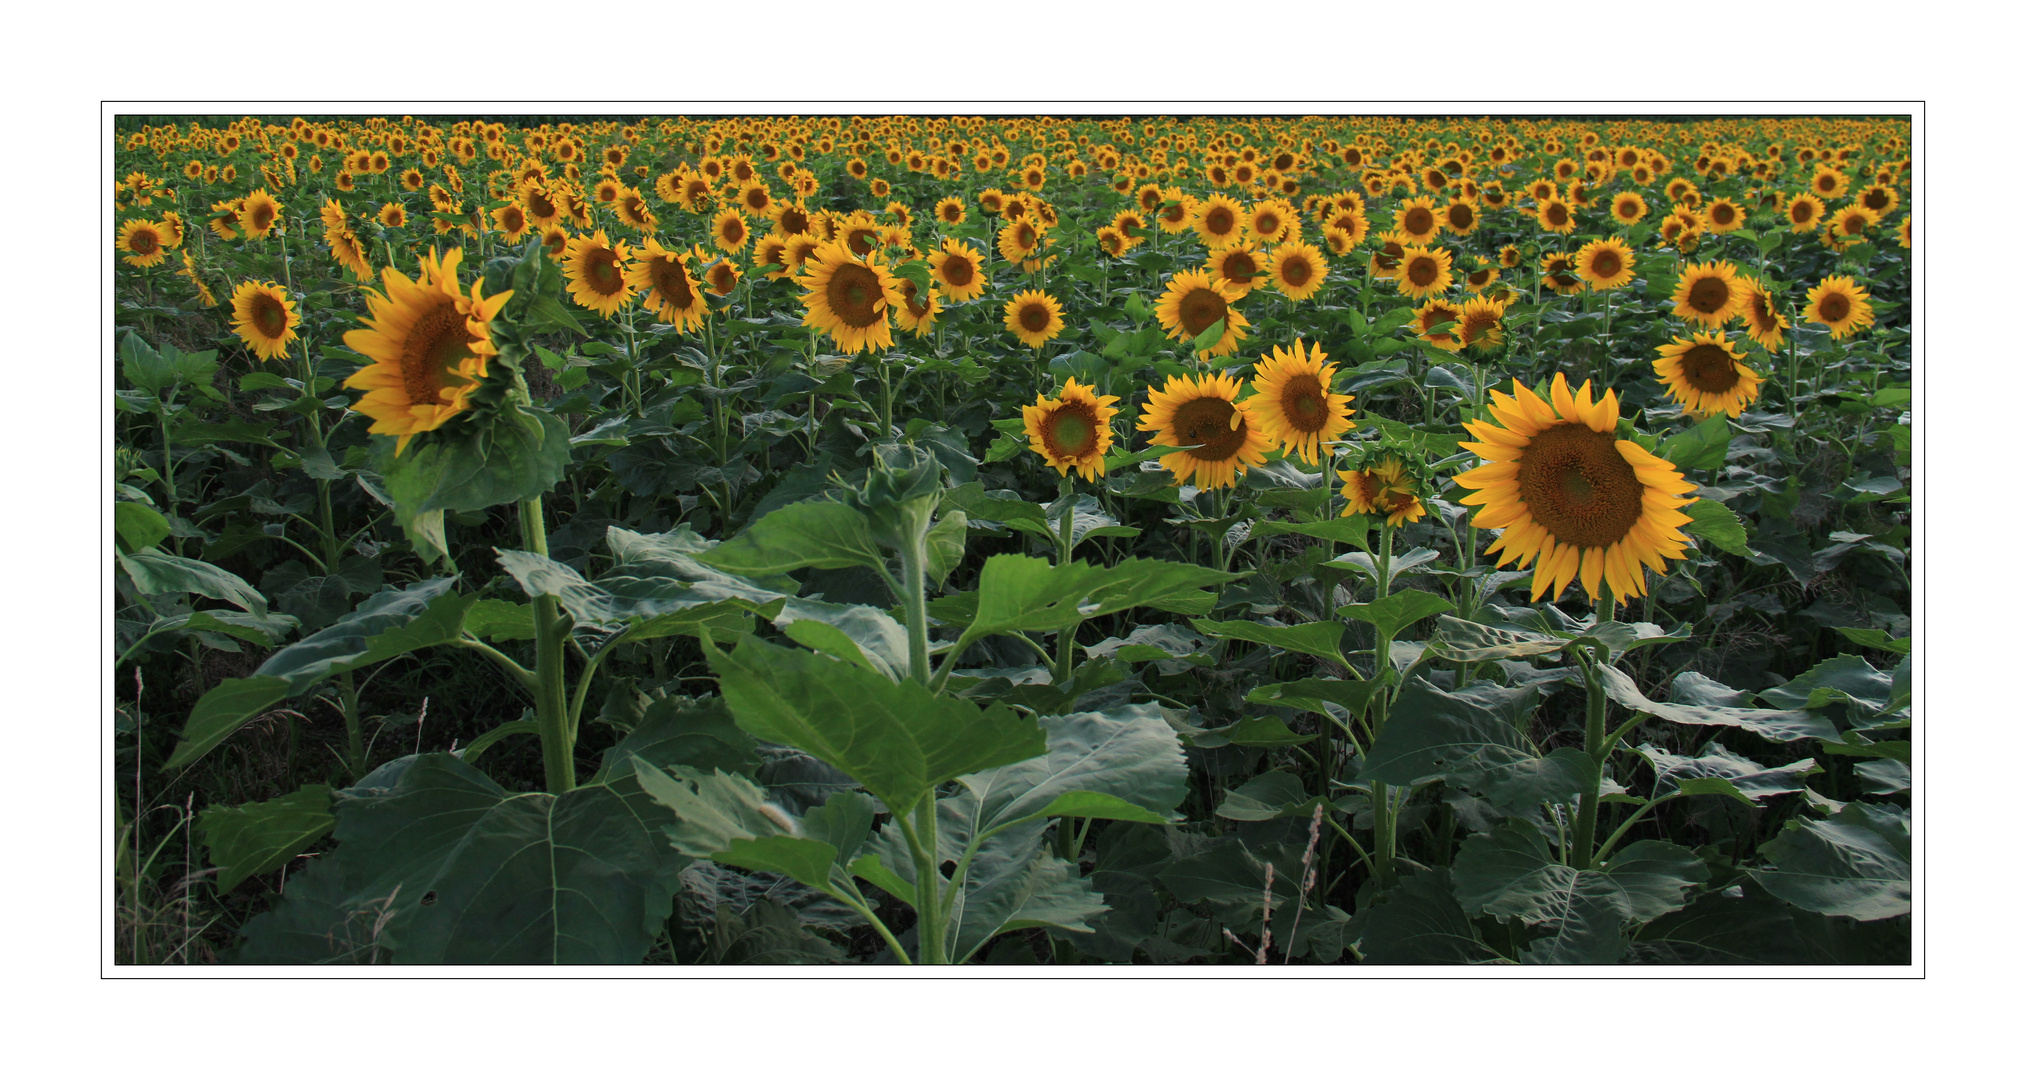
1128	754
1857	864
1209	338
1720	929
261	837
816	532
1344	530
1311	694
1701	447
500	620
1419	922
1702	701
1263	731
1474	733
899	741
1018	592
1266	797
1511	873
157	572
138	525
945	543
520	455
1845	678
1458	639
1717	771
1315	639
1397	611
1716	523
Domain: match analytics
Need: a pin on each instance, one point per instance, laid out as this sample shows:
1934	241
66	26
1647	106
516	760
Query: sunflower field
1012	540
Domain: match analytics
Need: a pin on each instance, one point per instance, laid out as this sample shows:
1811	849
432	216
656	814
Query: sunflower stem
1384	825
1582	850
552	716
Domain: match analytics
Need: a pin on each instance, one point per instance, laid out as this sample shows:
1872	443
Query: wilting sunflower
1219	222
1708	293
1417	220
1073	431
957	271
1297	269
1479	324
1034	317
1384	488
1423	271
429	343
1203	414
1840	304
917	310
1605	264
849	297
1804	212
1292	403
264	318
1707	375
1627	207
596	270
258	214
1763	321
143	244
1238	266
666	286
1571	494
1194	303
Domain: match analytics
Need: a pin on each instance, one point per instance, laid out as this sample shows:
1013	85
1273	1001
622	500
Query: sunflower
1271	221
1460	216
950	211
1424	271
1034	317
142	242
1297	269
1558	272
1292	403
1847	226
1202	413
1383	489
332	214
429	344
1880	198
264	318
1112	242
1840	304
663	279
849	297
349	253
1509	256
798	250
1557	216
1019	240
1193	304
1724	216
1417	220
1906	232
1707	375
258	214
729	230
1571	494
1627	207
1237	266
1337	240
1804	212
1073	431
512	222
917	311
1708	293
556	239
1481	278
1478	324
596	270
1763	321
1176	211
957	271
1605	264
1828	183
721	276
1219	221
631	206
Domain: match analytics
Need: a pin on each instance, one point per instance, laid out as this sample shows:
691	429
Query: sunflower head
849	297
596	269
1073	431
1292	402
1385	488
1034	317
1605	264
1707	375
1840	304
1195	302
1707	294
1424	271
1203	414
430	343
264	318
1571	497
1297	269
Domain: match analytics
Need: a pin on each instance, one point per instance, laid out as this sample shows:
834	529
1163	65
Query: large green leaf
1471	733
155	572
814	533
1857	864
260	837
1419	922
1017	592
1701	447
897	740
1722	929
1315	639
462	871
386	625
1397	611
1459	639
1702	701
1584	915
1844	678
139	525
1717	771
518	456
1129	753
1719	524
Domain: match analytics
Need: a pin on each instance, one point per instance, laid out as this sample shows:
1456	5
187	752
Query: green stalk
1582	851
1065	543
1383	823
552	715
914	595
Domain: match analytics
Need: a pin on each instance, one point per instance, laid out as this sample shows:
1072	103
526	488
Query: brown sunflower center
1389	256
1174	213
1239	268
510	219
1557	214
671	282
269	316
722	277
1803	211
143	242
1825	183
1034	318
1876	199
1722	214
1709	295
853	294
436	343
1479	278
1418	221
1218	221
915	307
601	271
1835	307
1070	430
958	271
735	230
1423	271
1460	216
1304	403
1267	224
1208	421
1200	309
1578	486
1606	264
1709	368
1295	270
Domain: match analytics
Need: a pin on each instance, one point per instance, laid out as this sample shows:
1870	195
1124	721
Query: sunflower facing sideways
849	298
596	270
1840	304
1573	499
1480	324
264	318
1708	293
1763	321
259	214
1193	304
1707	375
429	344
1384	488
957	271
917	310
1034	317
1073	431
1202	414
1605	264
666	286
1292	403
